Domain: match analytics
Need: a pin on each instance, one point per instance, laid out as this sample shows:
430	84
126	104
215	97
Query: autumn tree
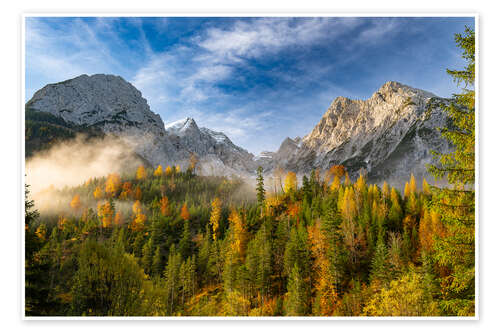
290	182
159	171
215	217
456	204
75	202
113	184
185	212
168	170
105	212
98	193
140	173
164	206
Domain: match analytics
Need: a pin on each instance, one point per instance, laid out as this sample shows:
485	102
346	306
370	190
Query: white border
267	13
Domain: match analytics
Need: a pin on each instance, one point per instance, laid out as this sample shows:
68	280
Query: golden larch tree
113	184
98	193
168	170
75	202
215	217
105	213
159	171
140	173
290	182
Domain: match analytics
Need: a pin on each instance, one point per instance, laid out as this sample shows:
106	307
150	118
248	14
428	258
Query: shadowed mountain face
389	135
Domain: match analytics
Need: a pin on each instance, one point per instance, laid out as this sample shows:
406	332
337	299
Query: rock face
390	135
116	107
219	155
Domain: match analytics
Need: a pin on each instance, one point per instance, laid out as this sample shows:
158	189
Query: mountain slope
390	135
102	104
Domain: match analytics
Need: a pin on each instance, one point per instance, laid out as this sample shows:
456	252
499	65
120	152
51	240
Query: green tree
456	204
261	191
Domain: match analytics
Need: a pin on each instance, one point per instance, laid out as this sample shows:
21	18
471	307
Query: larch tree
168	170
98	193
185	212
113	184
140	173
290	182
75	202
456	204
159	171
215	217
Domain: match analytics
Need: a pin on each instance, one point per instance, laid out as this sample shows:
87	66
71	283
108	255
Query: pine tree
456	205
296	297
261	192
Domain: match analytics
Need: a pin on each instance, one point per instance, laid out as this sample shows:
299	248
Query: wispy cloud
256	79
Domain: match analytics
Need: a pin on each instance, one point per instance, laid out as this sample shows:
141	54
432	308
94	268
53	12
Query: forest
163	241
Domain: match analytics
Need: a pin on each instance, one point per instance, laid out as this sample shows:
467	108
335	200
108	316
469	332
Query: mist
72	162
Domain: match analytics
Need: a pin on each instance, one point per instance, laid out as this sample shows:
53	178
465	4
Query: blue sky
258	80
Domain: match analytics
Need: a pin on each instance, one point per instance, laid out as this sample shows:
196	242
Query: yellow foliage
105	213
75	203
425	187
360	183
168	170
215	216
61	222
236	220
138	222
177	169
347	180
413	184
404	297
41	232
98	193
385	190
141	172
126	191
136	208
290	182
159	171
407	190
113	183
335	184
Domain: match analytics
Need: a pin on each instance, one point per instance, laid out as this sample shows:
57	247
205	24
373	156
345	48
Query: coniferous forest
163	241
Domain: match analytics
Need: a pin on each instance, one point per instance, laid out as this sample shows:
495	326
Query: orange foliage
113	183
185	212
126	191
164	207
98	193
138	193
75	203
105	213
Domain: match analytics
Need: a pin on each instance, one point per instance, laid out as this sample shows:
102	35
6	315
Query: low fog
73	162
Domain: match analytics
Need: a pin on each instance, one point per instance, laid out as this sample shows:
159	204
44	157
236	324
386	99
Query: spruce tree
456	204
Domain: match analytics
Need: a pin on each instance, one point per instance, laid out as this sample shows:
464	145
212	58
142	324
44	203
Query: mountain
389	135
100	105
219	155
